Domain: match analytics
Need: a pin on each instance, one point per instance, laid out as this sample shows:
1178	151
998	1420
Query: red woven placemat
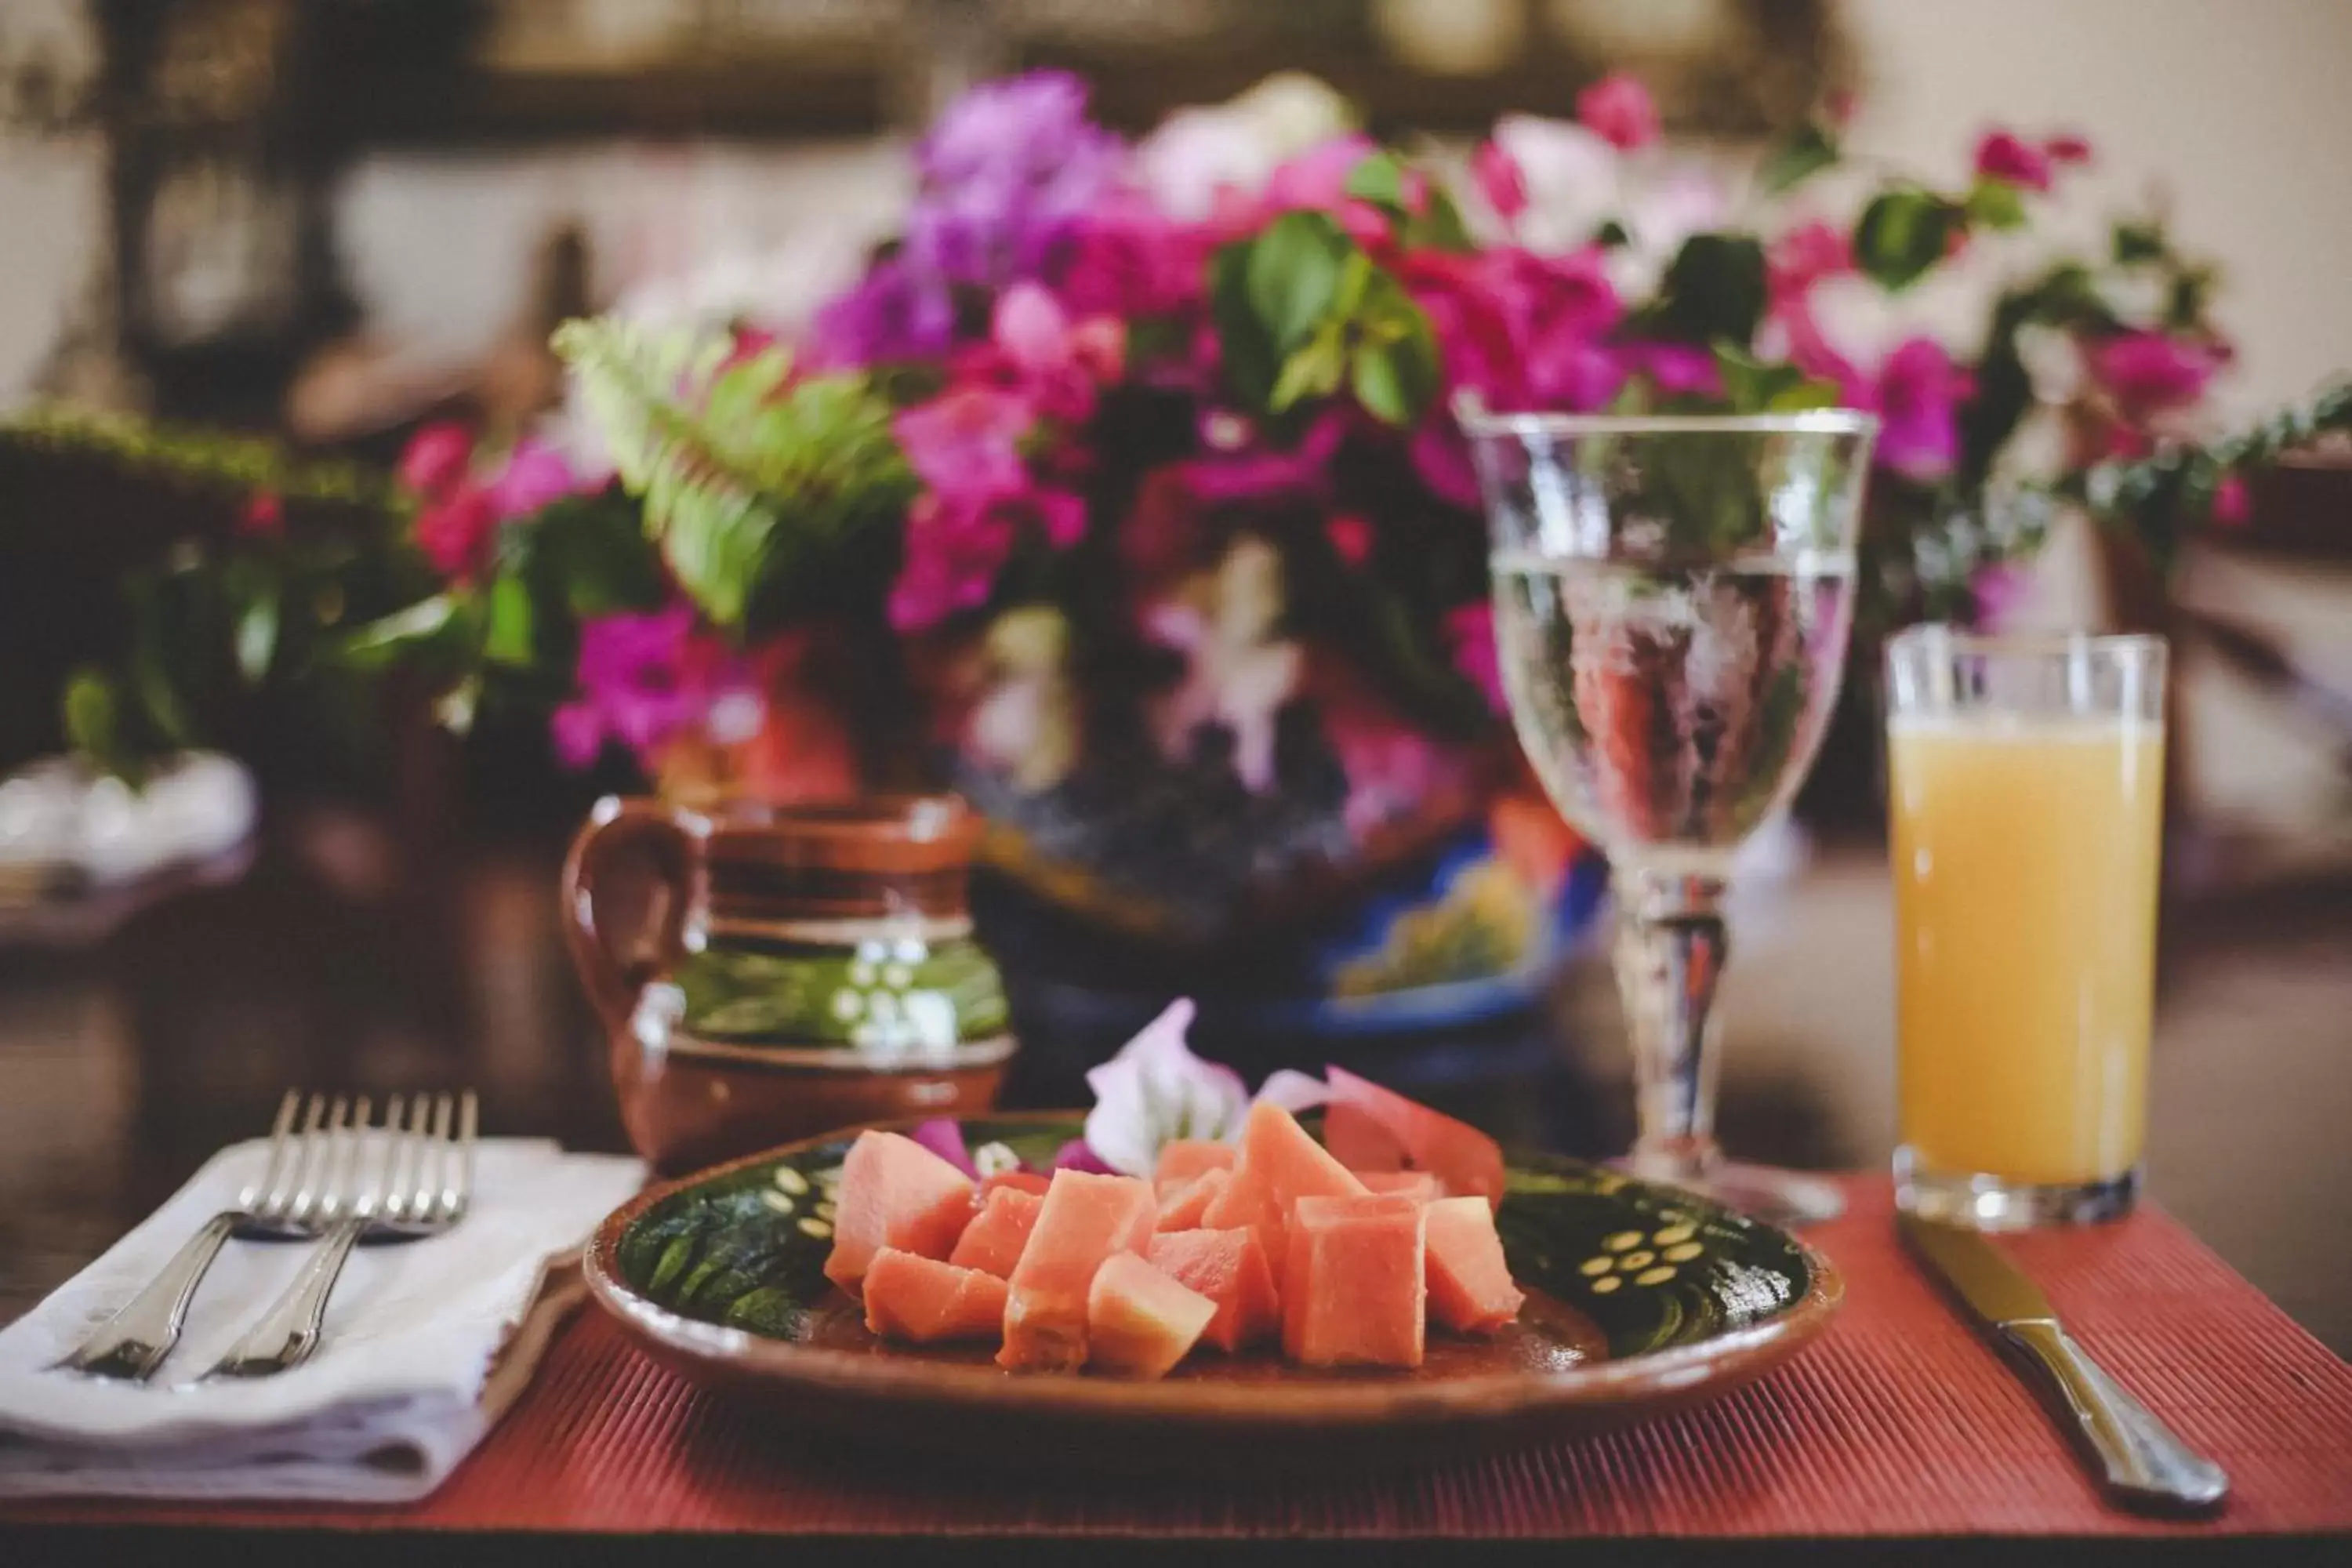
1899	1422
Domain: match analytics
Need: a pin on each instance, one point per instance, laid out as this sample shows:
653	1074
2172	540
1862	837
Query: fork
423	1186
285	1202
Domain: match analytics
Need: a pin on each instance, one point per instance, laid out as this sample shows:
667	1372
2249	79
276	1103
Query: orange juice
2025	876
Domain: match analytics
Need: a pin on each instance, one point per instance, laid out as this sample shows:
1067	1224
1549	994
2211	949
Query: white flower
1573	179
1237	146
1156	1089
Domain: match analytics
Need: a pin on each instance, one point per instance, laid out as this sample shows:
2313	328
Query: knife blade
2139	1459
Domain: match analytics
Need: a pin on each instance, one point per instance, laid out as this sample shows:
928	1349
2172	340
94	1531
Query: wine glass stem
1670	952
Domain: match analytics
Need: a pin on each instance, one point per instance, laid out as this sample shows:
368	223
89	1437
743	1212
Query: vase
783	970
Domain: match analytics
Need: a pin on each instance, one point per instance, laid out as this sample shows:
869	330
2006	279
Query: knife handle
2145	1463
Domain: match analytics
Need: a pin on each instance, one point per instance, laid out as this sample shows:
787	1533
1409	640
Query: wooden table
337	961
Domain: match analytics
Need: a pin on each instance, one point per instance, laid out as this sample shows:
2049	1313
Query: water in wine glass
1670	709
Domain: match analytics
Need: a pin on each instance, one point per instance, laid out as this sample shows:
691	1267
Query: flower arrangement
1123	487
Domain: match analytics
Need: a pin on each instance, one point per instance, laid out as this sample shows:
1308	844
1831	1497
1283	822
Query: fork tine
430	1192
286	1200
322	1198
279	1144
455	1203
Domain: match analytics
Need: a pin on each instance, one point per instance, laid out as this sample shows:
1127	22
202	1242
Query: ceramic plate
1641	1299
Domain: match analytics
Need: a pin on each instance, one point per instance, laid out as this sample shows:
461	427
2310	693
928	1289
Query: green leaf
1755	386
2137	242
256	636
1714	288
745	482
1611	235
1247	352
382	643
1313	371
93	717
1292	274
507	636
1439	224
1904	233
1996	205
1396	382
1378	179
1804	152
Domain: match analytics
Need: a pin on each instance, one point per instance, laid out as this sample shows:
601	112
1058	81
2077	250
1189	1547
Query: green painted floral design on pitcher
880	995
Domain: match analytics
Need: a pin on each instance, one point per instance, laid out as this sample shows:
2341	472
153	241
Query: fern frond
745	473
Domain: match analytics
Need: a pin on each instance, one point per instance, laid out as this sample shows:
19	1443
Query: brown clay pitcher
793	969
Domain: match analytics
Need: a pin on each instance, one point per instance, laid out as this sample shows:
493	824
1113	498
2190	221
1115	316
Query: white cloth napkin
425	1345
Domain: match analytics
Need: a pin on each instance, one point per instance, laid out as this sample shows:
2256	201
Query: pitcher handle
619	827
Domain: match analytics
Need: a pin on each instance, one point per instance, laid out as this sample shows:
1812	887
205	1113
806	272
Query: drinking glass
1671	601
2026	791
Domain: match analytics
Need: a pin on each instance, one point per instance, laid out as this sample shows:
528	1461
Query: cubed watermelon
923	1299
1464	1158
1139	1322
1185	1158
1470	1286
1360	1141
992	1242
1279	1164
1418	1185
1085	1219
1231	1269
895	1193
1353	1288
1034	1182
1185	1199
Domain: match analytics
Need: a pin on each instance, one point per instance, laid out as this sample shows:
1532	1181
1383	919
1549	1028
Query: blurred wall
2235	116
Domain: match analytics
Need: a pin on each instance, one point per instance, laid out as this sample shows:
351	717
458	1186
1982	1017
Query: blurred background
336	223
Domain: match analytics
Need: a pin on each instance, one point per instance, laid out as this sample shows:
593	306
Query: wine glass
1672	596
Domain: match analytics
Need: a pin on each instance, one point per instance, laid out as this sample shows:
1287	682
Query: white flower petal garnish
1156	1089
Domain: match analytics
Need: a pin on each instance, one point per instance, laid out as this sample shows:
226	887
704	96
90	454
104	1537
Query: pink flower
1251	472
2003	156
1919	391
2067	148
956	545
2233	504
963	442
1318	178
1350	538
642	679
2000	590
1031	327
1677	370
264	516
1499	180
1556	310
1620	111
1839	108
535	477
436	457
2148	373
1470	628
1810	350
1806	255
455	531
1126	259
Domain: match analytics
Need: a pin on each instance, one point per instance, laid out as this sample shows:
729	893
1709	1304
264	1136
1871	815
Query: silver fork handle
133	1342
283	1337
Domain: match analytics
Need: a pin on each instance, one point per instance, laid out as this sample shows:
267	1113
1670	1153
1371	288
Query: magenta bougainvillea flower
1620	111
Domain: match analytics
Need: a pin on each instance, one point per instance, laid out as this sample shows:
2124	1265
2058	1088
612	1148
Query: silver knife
2142	1463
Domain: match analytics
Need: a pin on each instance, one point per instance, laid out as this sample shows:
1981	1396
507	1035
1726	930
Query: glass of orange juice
2026	791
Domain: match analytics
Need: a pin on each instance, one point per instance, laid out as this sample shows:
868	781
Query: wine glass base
1790	1199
